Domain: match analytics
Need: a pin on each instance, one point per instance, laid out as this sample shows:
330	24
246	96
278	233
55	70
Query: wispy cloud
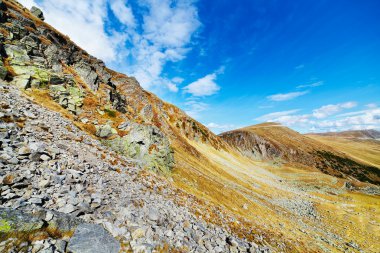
194	107
312	85
205	86
331	109
123	12
325	118
219	128
84	22
286	96
276	115
151	35
301	66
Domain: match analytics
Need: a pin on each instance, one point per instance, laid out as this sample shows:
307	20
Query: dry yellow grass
233	182
367	151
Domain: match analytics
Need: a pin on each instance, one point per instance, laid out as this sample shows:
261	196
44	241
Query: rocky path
54	172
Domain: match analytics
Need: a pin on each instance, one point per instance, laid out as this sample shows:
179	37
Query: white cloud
328	110
369	119
84	22
204	86
371	105
219	128
177	79
301	66
363	119
167	29
286	96
194	107
157	32
312	85
288	118
275	115
123	12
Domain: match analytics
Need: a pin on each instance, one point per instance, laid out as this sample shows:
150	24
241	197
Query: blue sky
310	65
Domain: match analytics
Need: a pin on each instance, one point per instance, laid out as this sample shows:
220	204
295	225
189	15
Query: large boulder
145	143
88	74
105	131
91	238
15	221
37	12
70	97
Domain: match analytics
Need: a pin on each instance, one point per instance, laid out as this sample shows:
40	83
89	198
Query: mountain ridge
273	141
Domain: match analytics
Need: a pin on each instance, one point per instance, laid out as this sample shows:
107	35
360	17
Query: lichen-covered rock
37	12
146	143
105	131
70	98
91	238
15	221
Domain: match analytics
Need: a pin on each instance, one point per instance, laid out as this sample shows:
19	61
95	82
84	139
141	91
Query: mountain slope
354	134
207	196
271	141
356	144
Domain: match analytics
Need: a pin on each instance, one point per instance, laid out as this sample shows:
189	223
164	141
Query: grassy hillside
364	150
274	142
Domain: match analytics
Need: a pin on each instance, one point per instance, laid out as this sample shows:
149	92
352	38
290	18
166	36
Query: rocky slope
87	155
274	142
62	181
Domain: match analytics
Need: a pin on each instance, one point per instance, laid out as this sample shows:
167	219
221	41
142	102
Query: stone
105	131
231	241
61	246
138	233
13	160
12	221
24	151
45	157
153	214
37	12
146	143
69	208
91	238
49	216
43	183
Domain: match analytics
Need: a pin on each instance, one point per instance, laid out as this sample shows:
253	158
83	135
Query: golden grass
365	151
226	179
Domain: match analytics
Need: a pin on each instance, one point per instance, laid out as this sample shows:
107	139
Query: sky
311	65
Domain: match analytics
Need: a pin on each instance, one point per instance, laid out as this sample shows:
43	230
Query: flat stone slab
92	238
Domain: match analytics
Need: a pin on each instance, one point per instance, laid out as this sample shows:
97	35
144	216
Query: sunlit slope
364	150
281	145
305	211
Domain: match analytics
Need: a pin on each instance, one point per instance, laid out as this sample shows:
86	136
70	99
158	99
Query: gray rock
69	208
91	238
18	221
61	246
153	214
37	12
105	131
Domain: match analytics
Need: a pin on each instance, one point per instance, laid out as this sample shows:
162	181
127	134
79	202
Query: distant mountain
275	142
358	134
